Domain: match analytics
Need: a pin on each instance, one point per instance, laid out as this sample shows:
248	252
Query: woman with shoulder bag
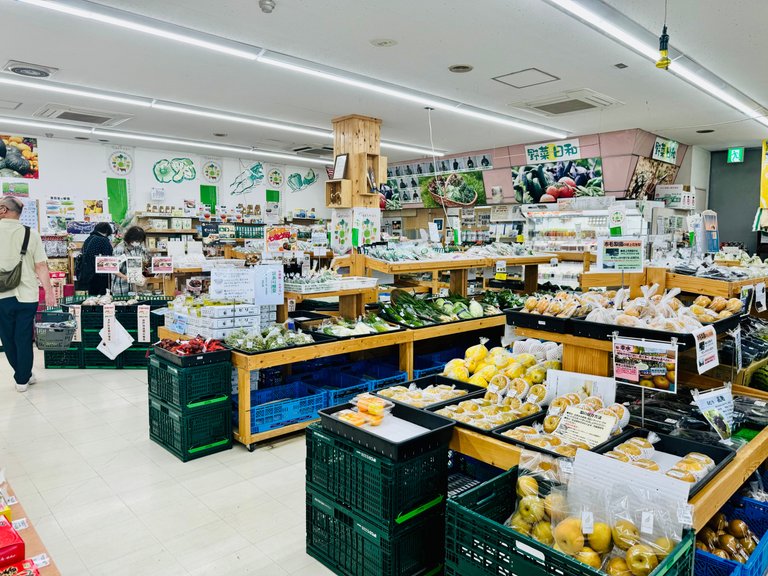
22	263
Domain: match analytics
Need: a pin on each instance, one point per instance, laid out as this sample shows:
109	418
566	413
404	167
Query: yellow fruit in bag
456	362
458	373
477	352
536	374
486	372
515	370
526	360
478	380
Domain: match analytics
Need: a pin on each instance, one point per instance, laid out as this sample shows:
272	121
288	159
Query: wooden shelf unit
342	188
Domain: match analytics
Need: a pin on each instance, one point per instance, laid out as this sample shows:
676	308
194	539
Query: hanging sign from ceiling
665	150
553	151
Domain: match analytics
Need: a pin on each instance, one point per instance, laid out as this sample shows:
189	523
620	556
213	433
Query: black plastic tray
318	339
308	327
679	447
438	435
529	421
600	331
522	319
434	380
198	360
404	325
470	396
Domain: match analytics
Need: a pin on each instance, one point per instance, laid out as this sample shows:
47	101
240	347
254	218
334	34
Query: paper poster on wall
366	226
272	207
19	157
211	169
58	211
208	197
299	180
341	230
251	175
648	174
91	207
30	215
174	170
18	189
120	160
455	190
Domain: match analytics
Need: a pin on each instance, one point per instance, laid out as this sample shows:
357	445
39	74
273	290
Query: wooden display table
708	286
351	302
32	542
633	281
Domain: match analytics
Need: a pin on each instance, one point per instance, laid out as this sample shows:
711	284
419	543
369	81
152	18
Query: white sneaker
32	380
22	387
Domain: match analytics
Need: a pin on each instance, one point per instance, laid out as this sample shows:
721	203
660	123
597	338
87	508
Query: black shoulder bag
10	279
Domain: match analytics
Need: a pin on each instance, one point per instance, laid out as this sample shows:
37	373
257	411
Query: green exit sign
735	155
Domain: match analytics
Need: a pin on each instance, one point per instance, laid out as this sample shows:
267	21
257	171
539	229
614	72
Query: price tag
587	522
760	304
501	270
41	560
11	500
578	425
706	348
685	514
566	466
737	347
20	524
143	324
77	313
646	522
291	305
717	408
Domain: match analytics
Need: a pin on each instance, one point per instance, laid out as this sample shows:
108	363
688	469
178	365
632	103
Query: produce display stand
709	286
170	281
405	340
32	542
351	302
633	281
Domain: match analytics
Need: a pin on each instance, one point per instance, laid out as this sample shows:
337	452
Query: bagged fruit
478	352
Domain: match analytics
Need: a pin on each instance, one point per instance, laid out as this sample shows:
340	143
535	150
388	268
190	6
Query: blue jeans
17	327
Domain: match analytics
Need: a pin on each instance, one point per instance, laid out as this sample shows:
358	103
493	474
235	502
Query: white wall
694	172
80	170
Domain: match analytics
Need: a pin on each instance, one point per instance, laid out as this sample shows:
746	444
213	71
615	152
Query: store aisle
108	501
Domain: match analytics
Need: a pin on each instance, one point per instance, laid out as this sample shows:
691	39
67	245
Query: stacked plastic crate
190	405
367	514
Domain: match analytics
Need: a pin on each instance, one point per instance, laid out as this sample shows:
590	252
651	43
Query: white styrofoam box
247	321
246	310
676	196
216	323
217	311
217	333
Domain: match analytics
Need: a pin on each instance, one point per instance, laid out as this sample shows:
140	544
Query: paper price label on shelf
76	311
746	295
292	305
685	514
20	524
501	270
760	297
578	425
41	560
706	348
143	324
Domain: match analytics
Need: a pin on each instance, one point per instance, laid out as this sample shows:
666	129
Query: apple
600	539
517	523
568	536
542	532
625	534
664	547
617	567
531	509
527	486
641	560
589	557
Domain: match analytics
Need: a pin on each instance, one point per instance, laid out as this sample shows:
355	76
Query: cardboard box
24	568
676	196
12	549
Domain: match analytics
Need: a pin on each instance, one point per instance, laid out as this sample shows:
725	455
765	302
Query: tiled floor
109	502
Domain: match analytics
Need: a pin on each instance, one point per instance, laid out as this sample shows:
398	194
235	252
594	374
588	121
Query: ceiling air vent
81	116
314	150
29	70
568	103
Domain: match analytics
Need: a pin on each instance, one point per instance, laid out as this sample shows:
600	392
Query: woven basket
452	203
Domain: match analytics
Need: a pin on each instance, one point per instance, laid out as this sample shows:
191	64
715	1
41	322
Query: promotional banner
561	179
366	226
620	254
341	230
665	150
553	151
764	177
19	157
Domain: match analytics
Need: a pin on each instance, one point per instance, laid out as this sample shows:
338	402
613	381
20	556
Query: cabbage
476	309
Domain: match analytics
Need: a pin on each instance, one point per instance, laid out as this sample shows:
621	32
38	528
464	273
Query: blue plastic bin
378	374
282	405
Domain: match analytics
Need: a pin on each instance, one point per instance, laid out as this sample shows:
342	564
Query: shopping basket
54	330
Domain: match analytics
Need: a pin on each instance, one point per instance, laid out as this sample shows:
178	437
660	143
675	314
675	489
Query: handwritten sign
269	284
233	284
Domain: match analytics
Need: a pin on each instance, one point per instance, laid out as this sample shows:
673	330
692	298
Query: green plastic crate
350	545
60	359
388	493
135	358
477	543
93	358
202	432
191	387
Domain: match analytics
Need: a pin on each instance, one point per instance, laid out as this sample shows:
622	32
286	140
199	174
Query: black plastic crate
350	545
200	433
93	358
387	493
197	360
71	358
91	338
438	435
477	543
192	387
465	472
679	447
522	319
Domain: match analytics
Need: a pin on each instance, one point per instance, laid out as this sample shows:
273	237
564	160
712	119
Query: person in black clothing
97	244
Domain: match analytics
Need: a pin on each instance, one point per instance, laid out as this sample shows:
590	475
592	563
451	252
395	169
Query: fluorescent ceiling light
414	149
63	89
208	146
456	107
678	68
241	119
93	11
43	125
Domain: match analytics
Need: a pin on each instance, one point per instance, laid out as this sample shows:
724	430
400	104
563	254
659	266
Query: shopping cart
54	330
